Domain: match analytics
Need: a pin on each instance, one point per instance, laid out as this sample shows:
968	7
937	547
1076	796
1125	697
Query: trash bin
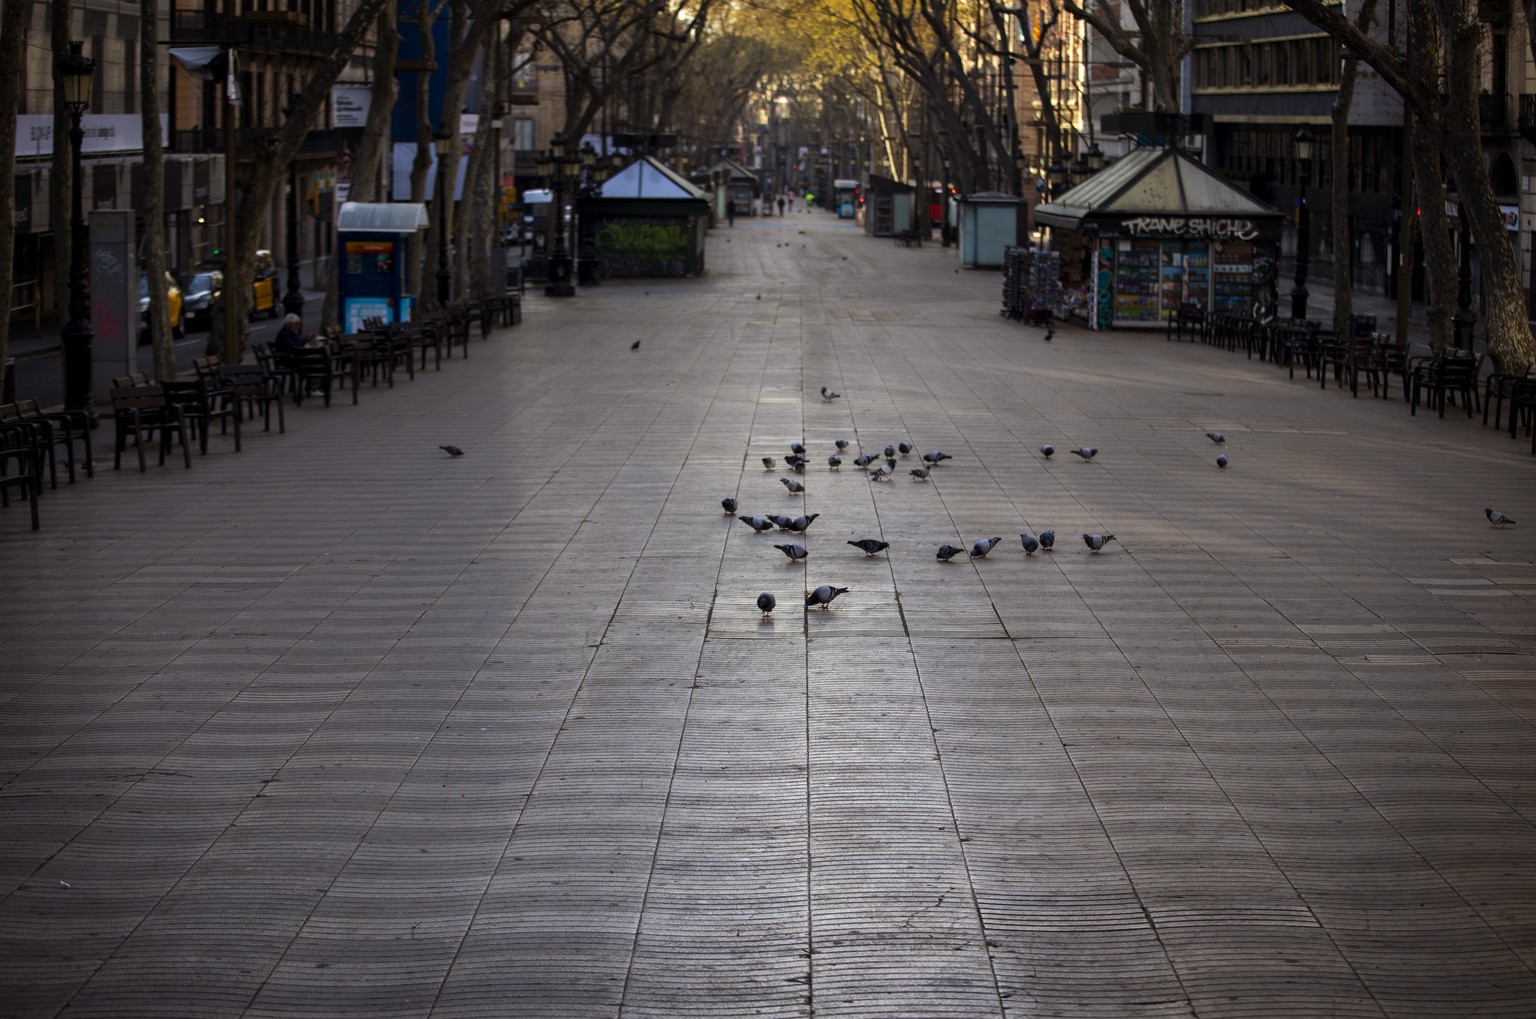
1362	326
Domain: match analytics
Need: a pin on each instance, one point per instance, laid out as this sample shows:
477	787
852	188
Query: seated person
288	339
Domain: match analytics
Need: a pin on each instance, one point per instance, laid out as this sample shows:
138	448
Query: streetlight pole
1303	225
293	300
444	277
560	284
1463	320
75	71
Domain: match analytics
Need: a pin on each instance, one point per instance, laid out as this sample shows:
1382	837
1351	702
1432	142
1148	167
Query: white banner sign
104	133
350	104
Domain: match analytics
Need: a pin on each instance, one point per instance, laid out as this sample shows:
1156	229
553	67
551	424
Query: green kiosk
374	268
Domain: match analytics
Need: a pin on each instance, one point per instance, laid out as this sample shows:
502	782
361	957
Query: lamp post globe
75	71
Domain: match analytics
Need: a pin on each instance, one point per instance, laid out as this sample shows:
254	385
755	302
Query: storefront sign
1191	227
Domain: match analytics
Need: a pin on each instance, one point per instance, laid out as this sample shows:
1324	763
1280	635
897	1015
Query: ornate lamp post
1095	158
559	165
1463	319
75	71
1303	224
444	142
293	300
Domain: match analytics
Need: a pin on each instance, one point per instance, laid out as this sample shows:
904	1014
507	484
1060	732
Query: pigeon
728	504
827	394
884	473
1047	540
1050	331
834	461
864	459
919	473
1221	459
758	524
1031	543
1086	452
759	296
768	462
766	602
635	345
1496	518
1047	450
904	447
797	448
795	463
795	552
799	524
1216	437
841	444
1097	541
982	546
452	450
890	452
936	457
823	595
870	546
795	488
782	521
948	552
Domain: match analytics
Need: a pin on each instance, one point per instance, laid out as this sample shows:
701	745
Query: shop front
1158	230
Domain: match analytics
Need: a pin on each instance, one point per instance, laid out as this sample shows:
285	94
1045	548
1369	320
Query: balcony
1528	117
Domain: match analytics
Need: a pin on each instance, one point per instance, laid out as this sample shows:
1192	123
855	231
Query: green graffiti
643	238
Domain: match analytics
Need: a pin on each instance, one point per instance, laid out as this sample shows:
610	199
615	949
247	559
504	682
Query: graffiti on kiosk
644	238
1180	226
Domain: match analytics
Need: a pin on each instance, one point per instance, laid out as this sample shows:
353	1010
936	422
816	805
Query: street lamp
75	72
1095	158
558	166
444	143
1463	319
1299	291
293	300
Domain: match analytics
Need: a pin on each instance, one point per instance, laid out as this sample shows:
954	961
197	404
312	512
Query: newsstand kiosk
374	239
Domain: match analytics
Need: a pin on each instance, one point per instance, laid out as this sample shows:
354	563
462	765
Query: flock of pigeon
881	468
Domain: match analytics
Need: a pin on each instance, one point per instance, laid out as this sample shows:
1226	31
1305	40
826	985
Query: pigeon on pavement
1047	450
1097	541
982	546
635	345
799	524
766	602
758	524
870	546
797	448
795	552
768	462
904	447
936	457
1086	452
796	463
841	444
1030	542
452	450
794	486
919	473
1216	437
834	461
884	473
890	452
1047	540
823	595
1221	459
784	522
948	552
1496	518
827	394
728	504
864	459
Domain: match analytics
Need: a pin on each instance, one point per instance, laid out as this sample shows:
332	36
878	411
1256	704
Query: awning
1161	193
381	217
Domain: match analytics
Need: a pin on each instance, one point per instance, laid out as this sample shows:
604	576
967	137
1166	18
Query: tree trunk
11	38
1343	251
60	170
154	191
372	149
1439	257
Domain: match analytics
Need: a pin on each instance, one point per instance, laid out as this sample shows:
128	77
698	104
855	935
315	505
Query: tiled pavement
341	726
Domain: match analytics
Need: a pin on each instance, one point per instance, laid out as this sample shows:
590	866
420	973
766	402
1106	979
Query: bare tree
61	171
268	167
1157	45
12	17
1451	31
154	190
1343	308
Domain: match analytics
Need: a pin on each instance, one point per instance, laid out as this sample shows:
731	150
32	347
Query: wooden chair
1439	379
255	391
18	470
143	412
323	368
58	428
199	406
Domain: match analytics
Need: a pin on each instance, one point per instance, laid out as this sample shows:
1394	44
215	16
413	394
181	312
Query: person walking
781	205
730	213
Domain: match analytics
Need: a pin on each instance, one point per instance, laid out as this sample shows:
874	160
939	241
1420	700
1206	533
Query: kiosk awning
381	217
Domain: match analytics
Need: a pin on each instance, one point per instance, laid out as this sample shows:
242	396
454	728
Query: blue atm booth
374	244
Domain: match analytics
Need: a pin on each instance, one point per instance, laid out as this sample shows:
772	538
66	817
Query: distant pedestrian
810	200
781	205
730	213
215	344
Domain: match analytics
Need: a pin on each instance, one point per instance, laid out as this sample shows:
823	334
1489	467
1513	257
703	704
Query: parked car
264	297
173	303
198	289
